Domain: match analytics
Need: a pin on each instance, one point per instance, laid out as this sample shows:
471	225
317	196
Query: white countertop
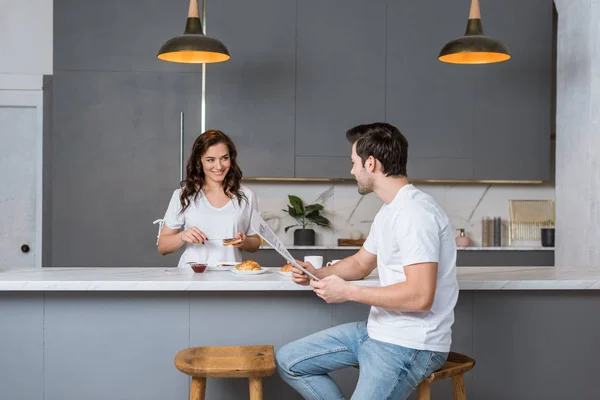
335	247
174	279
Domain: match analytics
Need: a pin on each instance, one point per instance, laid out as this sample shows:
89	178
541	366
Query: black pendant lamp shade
193	47
474	47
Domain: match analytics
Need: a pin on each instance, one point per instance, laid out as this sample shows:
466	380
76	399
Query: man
411	242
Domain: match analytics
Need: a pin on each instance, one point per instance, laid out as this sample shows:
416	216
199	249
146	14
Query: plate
255	272
225	264
284	273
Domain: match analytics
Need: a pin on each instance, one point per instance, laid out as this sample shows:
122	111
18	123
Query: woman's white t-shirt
216	223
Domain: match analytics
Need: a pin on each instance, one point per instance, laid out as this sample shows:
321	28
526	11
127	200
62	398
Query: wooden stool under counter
251	362
454	367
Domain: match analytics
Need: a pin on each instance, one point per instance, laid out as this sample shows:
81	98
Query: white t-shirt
216	223
413	229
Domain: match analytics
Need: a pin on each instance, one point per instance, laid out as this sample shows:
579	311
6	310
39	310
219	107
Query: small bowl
199	268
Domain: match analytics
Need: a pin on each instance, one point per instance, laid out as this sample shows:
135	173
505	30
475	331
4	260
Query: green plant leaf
322	221
312	215
293	212
314	207
297	203
288	227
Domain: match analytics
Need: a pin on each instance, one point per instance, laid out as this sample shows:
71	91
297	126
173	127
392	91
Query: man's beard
365	188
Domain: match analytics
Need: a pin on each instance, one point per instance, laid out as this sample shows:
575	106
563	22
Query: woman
210	206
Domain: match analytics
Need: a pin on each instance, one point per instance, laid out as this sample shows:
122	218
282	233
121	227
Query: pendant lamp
474	47
193	47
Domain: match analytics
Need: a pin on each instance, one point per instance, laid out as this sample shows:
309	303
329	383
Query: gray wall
47	180
577	138
62	346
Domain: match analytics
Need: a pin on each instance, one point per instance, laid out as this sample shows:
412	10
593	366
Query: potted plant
305	216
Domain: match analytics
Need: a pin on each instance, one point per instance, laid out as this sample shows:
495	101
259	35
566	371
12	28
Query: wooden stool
252	362
455	367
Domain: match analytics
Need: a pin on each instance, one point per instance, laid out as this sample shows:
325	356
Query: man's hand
300	277
332	289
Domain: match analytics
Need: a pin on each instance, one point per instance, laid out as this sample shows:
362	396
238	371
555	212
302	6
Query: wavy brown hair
194	180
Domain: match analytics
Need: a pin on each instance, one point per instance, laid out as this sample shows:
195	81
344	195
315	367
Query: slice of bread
232	241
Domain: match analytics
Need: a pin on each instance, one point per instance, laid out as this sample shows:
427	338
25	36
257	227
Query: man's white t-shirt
413	229
216	223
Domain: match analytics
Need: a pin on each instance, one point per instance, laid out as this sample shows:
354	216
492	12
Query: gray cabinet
340	80
115	163
471	122
512	118
430	102
251	96
116	35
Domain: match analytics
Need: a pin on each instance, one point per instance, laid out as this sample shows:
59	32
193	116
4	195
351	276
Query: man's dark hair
384	142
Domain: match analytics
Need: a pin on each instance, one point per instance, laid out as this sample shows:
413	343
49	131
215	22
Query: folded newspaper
261	227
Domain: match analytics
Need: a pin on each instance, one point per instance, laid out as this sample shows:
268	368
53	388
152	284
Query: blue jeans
387	371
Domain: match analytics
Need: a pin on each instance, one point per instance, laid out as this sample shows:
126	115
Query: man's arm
352	268
416	294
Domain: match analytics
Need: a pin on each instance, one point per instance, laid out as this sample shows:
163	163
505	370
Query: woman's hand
242	236
192	235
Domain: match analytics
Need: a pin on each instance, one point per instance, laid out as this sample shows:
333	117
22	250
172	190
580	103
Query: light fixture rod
474	12
181	137
203	91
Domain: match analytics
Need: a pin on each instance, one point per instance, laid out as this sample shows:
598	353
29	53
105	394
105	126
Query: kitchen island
112	333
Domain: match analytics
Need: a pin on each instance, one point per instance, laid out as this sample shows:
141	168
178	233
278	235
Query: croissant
286	268
248	265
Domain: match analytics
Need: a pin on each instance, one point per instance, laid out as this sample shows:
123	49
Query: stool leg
198	389
255	388
458	387
424	391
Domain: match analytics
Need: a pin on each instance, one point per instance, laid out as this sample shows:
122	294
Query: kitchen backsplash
350	212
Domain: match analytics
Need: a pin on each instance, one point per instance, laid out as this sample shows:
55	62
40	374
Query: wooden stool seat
252	362
454	367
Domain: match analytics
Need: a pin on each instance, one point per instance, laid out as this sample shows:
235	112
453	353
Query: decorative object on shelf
305	216
497	232
356	234
474	47
547	237
350	242
271	219
486	232
194	47
462	240
526	220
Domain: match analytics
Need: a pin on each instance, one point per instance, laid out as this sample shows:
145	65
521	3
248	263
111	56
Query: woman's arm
251	244
171	240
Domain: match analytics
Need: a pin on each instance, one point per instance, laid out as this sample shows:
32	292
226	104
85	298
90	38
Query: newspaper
261	227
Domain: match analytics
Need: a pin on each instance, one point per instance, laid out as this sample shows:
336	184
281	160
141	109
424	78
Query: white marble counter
335	247
173	279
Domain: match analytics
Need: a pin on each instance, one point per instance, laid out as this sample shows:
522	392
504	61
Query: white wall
465	204
26	37
578	134
25	57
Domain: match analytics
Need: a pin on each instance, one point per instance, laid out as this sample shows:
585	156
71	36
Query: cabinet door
471	122
18	192
429	101
251	96
116	35
512	119
116	163
340	80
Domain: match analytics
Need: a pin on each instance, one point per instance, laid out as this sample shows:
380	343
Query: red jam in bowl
199	267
